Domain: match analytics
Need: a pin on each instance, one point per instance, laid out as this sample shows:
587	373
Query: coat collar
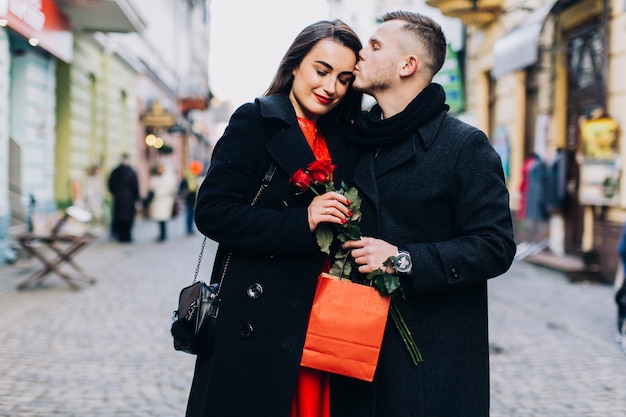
428	131
398	153
375	163
288	146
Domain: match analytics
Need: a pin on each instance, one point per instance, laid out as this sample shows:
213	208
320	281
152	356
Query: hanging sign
158	117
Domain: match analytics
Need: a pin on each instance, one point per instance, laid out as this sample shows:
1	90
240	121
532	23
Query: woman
271	278
163	185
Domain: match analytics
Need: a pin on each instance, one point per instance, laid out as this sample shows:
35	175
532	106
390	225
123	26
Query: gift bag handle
266	181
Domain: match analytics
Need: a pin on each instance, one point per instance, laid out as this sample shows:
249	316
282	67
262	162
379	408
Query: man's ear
410	65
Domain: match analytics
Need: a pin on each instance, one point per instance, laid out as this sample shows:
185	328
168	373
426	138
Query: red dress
312	394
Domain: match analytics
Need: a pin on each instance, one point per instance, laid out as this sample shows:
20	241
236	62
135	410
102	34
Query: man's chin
359	87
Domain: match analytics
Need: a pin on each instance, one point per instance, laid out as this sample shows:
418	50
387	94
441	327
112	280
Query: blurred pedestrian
272	275
124	188
188	190
163	188
620	294
435	214
94	193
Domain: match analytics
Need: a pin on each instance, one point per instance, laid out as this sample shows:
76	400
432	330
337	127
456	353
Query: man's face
379	64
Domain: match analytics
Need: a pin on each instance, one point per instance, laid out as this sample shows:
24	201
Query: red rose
301	179
321	171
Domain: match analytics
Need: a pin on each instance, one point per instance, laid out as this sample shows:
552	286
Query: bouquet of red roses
318	177
319	174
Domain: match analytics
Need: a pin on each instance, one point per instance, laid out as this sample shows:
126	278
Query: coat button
454	273
245	330
255	290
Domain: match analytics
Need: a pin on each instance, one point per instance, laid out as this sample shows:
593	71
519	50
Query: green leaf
375	273
336	267
342	267
385	283
379	284
353	232
347	269
324	237
392	283
352	194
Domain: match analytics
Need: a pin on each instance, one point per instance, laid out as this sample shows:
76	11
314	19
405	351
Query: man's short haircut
427	32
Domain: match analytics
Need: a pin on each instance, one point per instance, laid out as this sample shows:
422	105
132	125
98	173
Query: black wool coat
124	187
270	282
442	196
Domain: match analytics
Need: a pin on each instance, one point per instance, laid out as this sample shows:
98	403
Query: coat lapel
290	150
364	175
389	158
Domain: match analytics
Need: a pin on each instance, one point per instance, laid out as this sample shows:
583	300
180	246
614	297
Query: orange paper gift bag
345	329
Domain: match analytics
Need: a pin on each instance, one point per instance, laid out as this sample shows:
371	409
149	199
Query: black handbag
195	321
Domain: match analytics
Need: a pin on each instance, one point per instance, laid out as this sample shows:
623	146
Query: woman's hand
370	254
330	207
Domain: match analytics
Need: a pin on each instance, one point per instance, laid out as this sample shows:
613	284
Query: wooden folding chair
62	246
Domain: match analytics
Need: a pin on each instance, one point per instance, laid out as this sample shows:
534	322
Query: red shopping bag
346	327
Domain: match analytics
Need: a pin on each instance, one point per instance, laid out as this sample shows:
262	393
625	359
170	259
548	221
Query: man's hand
370	254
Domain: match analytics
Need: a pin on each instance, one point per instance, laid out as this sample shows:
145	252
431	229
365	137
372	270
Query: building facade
77	80
544	79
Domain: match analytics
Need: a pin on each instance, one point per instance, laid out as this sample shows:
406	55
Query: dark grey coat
124	187
443	198
259	340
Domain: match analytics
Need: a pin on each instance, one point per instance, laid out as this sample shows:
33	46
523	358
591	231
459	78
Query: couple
431	186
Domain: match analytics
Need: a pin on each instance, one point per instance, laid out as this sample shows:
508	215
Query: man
124	188
434	199
188	189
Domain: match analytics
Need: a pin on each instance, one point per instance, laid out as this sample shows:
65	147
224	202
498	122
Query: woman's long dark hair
335	30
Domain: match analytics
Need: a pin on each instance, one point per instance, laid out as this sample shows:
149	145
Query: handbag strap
264	183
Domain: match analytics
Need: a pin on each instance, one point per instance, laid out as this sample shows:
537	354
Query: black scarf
374	131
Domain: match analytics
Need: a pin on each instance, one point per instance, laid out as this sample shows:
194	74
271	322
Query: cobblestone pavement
553	348
105	350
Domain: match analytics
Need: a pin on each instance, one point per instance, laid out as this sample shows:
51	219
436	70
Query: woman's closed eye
346	80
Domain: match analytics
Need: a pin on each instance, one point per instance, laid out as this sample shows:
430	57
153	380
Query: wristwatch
402	263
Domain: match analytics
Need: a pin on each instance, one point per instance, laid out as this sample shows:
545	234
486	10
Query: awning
118	16
43	23
520	47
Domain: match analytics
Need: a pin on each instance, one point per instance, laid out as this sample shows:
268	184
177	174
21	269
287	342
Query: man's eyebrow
374	39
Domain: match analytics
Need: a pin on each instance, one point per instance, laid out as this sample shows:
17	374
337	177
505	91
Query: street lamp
154	141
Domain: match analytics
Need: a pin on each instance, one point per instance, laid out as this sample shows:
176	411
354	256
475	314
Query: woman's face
322	79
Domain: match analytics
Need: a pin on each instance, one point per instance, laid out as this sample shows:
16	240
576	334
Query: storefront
33	36
548	74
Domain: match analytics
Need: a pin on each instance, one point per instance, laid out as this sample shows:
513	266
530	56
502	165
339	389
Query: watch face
403	262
